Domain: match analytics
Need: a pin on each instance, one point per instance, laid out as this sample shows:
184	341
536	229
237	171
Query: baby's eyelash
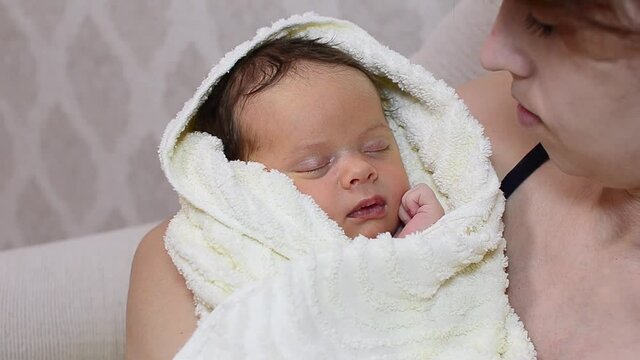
380	149
314	170
313	167
538	28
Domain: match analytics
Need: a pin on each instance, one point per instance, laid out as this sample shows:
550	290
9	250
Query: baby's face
325	128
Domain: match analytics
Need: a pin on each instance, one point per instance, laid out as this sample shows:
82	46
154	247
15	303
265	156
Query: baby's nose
357	171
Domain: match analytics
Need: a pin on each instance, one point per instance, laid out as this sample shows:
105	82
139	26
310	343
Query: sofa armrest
67	300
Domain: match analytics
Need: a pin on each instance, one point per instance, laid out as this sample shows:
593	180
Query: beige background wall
86	88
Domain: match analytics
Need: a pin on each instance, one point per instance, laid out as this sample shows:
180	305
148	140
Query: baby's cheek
325	199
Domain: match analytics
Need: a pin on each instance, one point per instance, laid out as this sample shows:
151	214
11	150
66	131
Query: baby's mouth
372	208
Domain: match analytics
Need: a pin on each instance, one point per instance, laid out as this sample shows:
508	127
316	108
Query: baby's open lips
370	208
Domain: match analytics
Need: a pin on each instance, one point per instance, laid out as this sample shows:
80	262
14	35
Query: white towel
285	281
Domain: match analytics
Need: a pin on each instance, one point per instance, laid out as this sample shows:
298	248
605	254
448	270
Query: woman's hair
598	28
622	16
263	67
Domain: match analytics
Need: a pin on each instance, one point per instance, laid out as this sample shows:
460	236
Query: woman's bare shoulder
160	309
489	100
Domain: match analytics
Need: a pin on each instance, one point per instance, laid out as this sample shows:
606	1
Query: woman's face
584	108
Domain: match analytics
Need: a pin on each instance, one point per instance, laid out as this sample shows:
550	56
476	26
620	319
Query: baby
314	113
271	272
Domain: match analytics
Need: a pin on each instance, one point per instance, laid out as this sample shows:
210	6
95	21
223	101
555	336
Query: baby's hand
419	209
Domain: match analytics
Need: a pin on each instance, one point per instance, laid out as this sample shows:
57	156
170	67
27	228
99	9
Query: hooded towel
274	278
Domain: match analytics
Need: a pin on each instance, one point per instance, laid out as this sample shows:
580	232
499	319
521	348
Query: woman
572	227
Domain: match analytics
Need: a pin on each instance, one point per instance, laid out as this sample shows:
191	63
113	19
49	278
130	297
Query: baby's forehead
305	72
316	84
312	102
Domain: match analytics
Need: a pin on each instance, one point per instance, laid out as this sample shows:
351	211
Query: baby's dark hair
261	68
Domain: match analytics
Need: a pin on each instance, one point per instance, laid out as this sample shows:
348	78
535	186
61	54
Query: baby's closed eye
376	146
313	165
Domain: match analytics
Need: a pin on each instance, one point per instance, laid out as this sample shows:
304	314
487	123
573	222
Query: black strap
529	163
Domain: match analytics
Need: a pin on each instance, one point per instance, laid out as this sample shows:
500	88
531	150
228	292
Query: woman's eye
537	27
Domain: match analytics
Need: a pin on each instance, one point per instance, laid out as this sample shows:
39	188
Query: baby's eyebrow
303	152
384	126
313	148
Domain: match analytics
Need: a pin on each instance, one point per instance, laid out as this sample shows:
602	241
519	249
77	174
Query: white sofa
67	300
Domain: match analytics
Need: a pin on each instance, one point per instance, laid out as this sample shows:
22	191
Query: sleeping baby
314	167
312	112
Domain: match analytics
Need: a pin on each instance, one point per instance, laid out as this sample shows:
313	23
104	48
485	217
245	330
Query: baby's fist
419	209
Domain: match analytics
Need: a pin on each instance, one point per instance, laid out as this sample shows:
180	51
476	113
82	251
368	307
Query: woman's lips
526	117
372	208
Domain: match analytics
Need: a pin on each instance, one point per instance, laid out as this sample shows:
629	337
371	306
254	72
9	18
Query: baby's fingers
411	201
404	214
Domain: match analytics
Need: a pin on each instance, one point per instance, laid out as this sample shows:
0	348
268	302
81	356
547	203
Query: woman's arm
160	308
489	100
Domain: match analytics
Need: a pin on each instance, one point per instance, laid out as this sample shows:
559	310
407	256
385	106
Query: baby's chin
371	231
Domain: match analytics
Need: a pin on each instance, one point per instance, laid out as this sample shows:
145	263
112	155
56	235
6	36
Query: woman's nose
357	170
504	47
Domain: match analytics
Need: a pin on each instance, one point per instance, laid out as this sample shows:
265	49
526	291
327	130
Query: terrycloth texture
436	294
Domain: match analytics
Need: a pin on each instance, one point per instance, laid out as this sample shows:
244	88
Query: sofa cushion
452	50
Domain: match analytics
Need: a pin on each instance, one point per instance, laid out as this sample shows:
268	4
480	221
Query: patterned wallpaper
86	88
